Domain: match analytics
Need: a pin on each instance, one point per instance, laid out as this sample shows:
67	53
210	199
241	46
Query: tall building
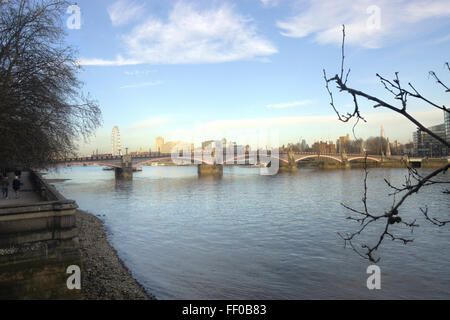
304	145
427	146
388	148
381	140
159	144
343	143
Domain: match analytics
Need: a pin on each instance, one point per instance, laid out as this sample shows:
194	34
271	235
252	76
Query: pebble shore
104	276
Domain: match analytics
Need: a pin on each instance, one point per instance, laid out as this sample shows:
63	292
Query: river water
247	236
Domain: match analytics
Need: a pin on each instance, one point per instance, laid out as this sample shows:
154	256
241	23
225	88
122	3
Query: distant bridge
337	157
209	161
252	157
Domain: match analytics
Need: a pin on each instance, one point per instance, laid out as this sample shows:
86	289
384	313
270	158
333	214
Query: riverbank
104	276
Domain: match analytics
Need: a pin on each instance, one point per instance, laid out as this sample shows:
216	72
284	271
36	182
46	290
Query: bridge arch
254	157
196	161
91	163
318	156
368	158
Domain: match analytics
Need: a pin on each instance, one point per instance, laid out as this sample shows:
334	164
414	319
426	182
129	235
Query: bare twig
413	182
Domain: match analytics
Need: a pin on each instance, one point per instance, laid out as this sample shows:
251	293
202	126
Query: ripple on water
247	236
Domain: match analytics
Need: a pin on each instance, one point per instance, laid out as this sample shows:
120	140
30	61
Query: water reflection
124	187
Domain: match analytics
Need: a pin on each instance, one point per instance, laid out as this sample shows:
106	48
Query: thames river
247	236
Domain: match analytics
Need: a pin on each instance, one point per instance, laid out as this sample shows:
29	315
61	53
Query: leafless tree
414	181
42	110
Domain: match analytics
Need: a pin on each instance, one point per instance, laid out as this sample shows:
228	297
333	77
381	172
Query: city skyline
340	145
257	66
255	140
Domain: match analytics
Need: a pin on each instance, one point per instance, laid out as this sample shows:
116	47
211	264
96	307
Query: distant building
427	146
388	148
159	144
408	149
167	147
139	152
324	147
304	146
343	143
396	147
382	139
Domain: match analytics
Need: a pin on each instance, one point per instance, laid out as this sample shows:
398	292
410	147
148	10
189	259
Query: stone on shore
103	275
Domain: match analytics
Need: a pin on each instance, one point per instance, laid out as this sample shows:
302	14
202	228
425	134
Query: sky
206	69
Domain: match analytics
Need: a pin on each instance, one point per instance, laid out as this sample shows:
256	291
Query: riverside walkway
38	241
27	193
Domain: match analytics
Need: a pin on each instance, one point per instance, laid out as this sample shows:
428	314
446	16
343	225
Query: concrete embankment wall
38	242
332	164
434	163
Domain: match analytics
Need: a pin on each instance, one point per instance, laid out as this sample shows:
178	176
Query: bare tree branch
42	109
413	182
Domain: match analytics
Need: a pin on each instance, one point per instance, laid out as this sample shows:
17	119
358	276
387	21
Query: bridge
212	162
141	160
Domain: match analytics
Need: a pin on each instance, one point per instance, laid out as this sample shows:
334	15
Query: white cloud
269	3
124	11
192	35
289	104
119	61
369	23
142	84
420	10
139	72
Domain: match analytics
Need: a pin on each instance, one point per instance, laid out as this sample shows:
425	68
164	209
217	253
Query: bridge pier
215	170
344	159
126	171
287	167
290	166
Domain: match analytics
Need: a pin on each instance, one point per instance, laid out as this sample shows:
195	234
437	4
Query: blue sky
193	70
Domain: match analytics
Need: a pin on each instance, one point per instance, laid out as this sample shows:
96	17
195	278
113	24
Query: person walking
16	186
5	186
